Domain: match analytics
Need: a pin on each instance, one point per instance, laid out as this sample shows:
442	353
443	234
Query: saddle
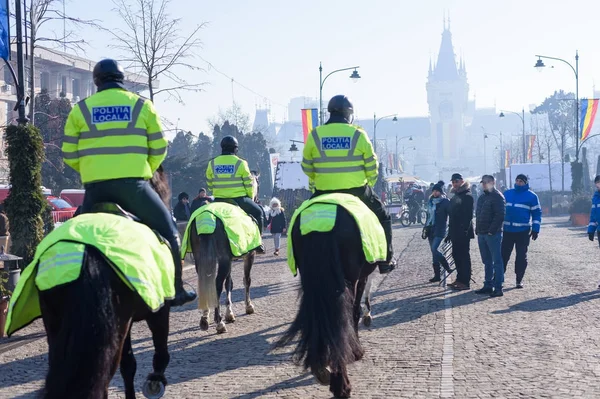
115	209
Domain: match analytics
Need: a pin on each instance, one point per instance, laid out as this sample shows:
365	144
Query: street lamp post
540	64
355	76
486	136
375	122
522	116
399	140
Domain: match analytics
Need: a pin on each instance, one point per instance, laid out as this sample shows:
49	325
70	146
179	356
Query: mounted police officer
338	158
229	178
114	140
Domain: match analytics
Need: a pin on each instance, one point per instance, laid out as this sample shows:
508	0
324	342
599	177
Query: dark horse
88	324
333	272
213	257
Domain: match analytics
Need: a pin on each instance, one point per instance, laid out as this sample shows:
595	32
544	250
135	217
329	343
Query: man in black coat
182	209
460	231
491	208
201	199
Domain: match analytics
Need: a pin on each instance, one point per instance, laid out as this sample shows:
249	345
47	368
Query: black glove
447	239
591	236
534	235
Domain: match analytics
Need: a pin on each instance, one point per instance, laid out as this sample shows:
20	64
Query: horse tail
324	320
84	333
205	256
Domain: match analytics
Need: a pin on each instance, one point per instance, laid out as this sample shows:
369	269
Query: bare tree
40	13
151	42
235	115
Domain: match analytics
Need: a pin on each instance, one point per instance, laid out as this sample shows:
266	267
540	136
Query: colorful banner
390	160
531	142
506	159
588	114
400	168
274	161
310	120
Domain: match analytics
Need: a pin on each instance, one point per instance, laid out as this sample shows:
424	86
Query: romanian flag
531	142
310	120
588	114
506	159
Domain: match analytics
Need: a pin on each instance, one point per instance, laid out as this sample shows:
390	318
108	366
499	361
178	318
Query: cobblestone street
425	341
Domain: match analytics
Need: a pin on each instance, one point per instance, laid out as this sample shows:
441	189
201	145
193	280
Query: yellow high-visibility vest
339	156
228	176
114	134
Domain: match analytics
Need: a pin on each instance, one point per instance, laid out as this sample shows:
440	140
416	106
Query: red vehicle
61	209
73	196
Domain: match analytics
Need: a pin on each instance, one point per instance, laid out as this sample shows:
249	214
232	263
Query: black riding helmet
341	105
108	71
229	144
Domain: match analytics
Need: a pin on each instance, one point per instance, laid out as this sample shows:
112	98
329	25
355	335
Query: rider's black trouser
136	196
374	203
248	206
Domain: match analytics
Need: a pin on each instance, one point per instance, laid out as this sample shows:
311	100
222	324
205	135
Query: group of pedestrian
502	223
183	210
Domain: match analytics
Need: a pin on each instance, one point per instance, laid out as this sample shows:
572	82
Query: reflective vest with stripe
339	156
114	134
228	176
523	210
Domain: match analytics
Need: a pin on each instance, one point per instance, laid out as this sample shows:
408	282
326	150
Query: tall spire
445	67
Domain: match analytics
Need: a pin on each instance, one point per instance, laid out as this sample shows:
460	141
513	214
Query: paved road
425	342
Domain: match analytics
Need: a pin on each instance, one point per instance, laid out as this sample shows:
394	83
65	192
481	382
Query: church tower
447	96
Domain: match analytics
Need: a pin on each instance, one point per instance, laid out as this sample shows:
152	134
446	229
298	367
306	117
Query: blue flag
4	26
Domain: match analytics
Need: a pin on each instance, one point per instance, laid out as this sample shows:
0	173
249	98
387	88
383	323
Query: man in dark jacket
460	231
200	200
437	219
182	211
488	227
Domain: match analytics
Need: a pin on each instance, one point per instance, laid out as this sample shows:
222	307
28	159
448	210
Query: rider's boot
182	296
390	263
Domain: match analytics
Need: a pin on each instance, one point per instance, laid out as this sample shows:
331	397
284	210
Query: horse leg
340	383
128	367
158	323
248	262
223	273
204	319
367	318
229	316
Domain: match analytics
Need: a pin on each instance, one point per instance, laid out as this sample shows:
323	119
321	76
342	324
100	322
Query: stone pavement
425	342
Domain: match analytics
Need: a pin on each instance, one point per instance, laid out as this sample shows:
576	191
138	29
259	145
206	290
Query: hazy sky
274	47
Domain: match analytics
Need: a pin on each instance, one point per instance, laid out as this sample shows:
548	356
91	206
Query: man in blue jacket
522	222
594	225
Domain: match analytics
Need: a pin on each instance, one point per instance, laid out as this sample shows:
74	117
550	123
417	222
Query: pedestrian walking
522	222
488	227
435	228
276	218
182	211
460	231
594	225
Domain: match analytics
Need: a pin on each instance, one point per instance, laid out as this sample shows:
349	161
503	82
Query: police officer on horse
114	139
339	158
229	178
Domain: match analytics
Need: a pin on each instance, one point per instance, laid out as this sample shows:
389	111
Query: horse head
255	185
160	184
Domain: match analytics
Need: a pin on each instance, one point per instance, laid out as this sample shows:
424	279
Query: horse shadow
405	310
303	380
238	294
547	303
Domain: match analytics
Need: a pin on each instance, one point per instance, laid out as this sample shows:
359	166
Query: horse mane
160	184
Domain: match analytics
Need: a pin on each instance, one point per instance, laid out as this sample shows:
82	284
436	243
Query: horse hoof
367	320
153	389
221	328
204	324
250	309
229	318
323	376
